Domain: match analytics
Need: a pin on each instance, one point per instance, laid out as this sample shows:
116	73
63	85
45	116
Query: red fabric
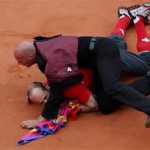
122	24
46	82
81	91
78	91
141	34
74	114
88	77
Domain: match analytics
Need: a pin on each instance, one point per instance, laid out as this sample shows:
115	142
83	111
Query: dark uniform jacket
57	59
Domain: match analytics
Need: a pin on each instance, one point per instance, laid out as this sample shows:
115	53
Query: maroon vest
60	54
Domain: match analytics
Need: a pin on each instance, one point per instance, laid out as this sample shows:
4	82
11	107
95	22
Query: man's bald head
25	53
37	92
23	48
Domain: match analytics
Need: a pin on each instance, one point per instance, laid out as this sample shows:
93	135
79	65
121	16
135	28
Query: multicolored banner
68	110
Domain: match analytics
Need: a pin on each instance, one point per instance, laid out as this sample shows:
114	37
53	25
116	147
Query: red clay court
122	130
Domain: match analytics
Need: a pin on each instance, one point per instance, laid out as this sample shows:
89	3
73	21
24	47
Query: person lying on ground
60	58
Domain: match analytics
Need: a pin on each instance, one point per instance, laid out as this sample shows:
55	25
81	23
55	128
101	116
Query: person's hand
28	124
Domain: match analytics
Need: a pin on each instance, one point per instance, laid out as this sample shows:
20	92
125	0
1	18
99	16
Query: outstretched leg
122	24
107	65
108	105
143	43
130	63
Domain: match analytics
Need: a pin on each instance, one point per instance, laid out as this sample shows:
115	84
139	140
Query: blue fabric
30	136
40	131
51	126
131	63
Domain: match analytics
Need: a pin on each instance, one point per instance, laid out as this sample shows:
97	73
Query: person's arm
91	105
56	98
51	108
84	95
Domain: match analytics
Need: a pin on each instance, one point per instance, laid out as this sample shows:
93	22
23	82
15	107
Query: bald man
60	57
25	54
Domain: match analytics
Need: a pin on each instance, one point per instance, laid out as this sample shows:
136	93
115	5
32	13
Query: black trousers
110	91
108	105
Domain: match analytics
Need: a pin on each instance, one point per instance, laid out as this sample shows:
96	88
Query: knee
107	47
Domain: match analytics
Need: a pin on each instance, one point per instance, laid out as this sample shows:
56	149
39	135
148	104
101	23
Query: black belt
92	43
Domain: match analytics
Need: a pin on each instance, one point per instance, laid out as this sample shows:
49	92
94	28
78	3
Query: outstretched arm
84	95
50	110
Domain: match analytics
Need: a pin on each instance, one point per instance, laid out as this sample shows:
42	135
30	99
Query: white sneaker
143	10
123	11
